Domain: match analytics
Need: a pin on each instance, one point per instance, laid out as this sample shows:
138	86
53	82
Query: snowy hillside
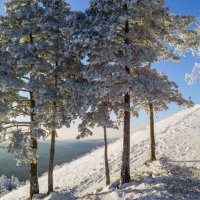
178	148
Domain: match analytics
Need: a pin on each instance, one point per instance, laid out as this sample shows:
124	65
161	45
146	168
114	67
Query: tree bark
53	141
51	162
107	171
125	169
34	186
152	134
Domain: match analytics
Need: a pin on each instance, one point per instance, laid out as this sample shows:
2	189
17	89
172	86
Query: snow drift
177	143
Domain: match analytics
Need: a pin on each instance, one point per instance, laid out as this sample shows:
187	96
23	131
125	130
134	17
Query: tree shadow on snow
56	196
153	196
184	161
183	183
66	196
180	183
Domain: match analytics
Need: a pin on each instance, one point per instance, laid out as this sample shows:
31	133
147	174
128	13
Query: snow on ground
174	176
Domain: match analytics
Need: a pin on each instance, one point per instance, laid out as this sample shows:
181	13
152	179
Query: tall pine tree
122	35
19	25
156	93
60	70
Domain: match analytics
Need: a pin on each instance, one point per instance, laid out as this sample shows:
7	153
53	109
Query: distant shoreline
66	151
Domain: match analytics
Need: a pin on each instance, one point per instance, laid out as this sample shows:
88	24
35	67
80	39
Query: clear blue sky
175	71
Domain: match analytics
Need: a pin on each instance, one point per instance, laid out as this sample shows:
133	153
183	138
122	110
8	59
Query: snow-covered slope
178	139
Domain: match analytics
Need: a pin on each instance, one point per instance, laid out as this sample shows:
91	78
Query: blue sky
175	71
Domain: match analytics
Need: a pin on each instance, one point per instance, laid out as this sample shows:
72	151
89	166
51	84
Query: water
66	151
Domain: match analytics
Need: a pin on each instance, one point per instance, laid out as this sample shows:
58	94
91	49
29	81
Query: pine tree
125	34
100	116
20	27
60	67
52	20
157	93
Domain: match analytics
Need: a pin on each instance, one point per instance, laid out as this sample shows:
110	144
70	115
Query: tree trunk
125	169
34	186
51	162
107	171
152	134
53	141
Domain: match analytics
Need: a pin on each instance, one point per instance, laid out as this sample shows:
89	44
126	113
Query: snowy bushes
8	184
